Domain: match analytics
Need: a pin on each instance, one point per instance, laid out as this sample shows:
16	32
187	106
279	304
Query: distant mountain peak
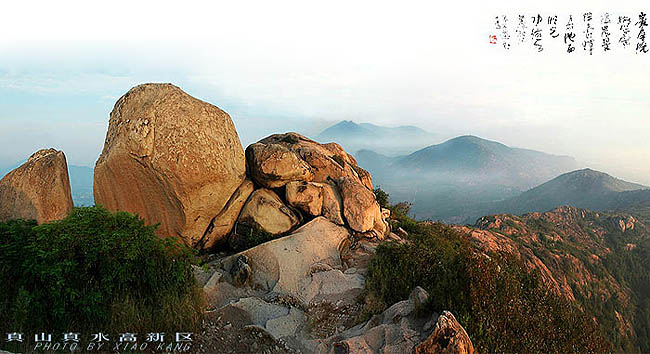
387	140
595	179
481	161
468	137
345	123
585	188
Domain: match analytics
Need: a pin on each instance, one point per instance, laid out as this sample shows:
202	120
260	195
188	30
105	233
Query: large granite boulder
223	222
318	179
281	158
39	189
173	160
332	204
274	165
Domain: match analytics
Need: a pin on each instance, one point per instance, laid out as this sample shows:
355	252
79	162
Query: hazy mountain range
390	141
451	181
467	177
470	159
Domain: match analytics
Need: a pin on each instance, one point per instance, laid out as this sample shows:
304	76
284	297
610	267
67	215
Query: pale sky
301	65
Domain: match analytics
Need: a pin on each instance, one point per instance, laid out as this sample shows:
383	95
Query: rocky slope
302	293
579	254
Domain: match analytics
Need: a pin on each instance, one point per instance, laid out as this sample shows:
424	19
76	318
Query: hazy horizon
291	66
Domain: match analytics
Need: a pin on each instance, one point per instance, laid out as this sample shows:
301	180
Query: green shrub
95	270
382	197
503	306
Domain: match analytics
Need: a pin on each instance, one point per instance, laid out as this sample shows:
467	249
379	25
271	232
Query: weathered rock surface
274	165
360	208
396	330
418	296
39	189
221	224
287	325
172	159
297	294
332	204
316	199
257	311
448	337
281	158
333	286
265	209
306	196
317	180
283	265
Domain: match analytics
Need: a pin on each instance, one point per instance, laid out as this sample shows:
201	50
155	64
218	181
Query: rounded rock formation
306	196
281	158
360	207
267	211
173	160
39	189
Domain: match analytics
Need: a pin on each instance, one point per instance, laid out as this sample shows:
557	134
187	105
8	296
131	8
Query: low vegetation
606	266
503	306
95	270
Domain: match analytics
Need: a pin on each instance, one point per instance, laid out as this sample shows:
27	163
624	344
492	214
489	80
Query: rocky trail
323	311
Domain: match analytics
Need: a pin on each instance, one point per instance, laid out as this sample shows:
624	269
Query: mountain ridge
597	259
475	158
584	188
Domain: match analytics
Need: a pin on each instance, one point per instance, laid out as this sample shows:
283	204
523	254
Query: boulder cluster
177	161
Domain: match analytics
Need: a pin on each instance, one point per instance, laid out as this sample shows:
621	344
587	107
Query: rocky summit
287	228
177	161
302	216
303	293
39	189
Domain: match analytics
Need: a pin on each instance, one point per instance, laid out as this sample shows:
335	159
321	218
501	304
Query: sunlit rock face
174	160
39	189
